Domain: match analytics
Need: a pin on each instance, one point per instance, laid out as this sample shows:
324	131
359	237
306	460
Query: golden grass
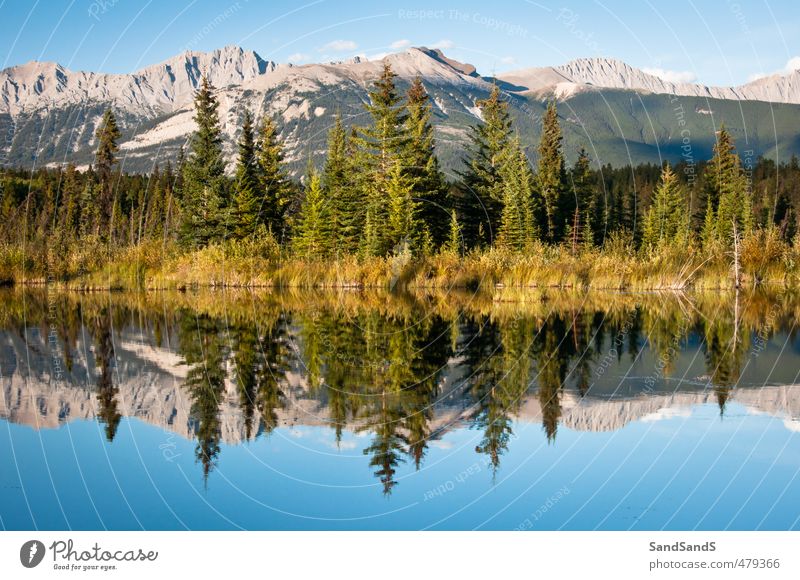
766	261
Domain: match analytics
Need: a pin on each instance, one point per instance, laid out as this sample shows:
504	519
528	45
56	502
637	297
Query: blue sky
714	42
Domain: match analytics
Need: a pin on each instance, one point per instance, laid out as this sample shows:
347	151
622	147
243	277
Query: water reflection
402	370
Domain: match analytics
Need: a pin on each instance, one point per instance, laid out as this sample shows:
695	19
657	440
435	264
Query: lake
520	410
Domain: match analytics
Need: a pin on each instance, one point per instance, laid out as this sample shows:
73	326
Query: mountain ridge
49	114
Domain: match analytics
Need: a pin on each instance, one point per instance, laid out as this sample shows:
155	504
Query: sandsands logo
31	553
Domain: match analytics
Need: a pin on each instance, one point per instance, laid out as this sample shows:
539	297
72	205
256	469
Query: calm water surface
229	410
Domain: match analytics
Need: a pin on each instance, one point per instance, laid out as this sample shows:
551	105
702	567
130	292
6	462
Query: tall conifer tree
105	158
481	200
428	183
551	175
247	202
205	196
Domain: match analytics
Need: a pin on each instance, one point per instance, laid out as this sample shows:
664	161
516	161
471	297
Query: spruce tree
71	199
402	226
276	193
579	229
667	220
346	207
382	146
247	202
727	190
105	158
551	175
310	236
205	202
480	200
454	240
517	227
428	183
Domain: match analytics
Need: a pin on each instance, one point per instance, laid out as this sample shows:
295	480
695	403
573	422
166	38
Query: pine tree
71	192
667	220
579	229
382	147
403	228
551	175
480	200
205	201
105	158
428	183
152	222
346	209
727	190
275	189
168	181
454	240
247	202
310	237
517	227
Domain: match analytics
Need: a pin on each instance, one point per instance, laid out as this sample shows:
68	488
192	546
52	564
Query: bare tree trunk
736	265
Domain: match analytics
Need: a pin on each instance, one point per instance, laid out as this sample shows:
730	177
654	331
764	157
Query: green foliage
455	242
382	164
275	194
205	191
517	225
480	198
312	235
729	192
667	219
402	227
579	227
551	176
427	182
107	135
247	201
341	187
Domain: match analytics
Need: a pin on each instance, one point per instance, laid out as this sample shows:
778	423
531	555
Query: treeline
381	192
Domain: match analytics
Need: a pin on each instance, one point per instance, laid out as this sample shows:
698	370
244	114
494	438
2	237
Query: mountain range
620	114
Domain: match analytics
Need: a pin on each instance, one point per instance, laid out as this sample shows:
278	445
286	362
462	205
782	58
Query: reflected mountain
225	368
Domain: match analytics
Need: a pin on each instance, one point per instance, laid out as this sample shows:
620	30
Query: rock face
156	89
586	74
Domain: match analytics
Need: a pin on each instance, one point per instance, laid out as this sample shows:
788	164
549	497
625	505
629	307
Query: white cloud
378	56
397	44
672	76
791	65
339	46
508	60
443	44
297	57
